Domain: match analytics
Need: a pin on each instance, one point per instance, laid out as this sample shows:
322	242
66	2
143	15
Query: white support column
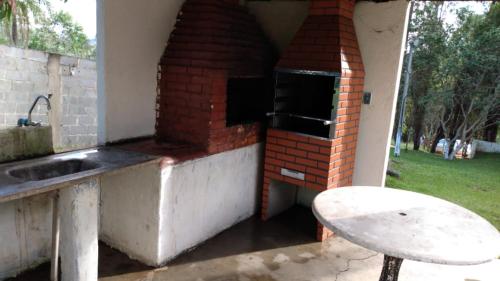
381	32
79	213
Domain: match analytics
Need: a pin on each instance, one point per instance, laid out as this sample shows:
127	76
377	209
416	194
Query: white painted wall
282	196
154	214
201	198
131	39
130	211
381	31
280	20
25	233
485	146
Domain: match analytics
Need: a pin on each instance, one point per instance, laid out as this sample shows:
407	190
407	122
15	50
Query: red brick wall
322	38
212	41
326	42
344	8
222	138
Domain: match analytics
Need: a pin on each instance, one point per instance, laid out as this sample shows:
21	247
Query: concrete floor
282	249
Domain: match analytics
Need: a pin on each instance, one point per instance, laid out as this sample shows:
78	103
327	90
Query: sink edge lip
9	170
9	164
22	189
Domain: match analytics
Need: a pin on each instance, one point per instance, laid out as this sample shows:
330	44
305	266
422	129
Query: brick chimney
325	47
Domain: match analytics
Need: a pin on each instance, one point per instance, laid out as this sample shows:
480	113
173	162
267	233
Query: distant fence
485	146
72	82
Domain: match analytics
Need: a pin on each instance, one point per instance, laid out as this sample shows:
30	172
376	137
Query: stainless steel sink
29	177
51	169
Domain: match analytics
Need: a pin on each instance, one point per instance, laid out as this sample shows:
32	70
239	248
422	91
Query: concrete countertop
109	160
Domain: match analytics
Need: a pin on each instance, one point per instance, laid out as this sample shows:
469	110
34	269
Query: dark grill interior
248	100
303	102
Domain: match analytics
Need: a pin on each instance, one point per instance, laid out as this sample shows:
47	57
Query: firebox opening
248	100
294	202
305	103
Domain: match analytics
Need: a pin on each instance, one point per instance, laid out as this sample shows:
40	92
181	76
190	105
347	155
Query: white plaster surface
129	51
153	214
280	20
79	214
25	232
130	211
305	196
281	197
381	32
201	198
485	146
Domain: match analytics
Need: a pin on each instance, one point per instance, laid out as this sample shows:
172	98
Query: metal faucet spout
33	107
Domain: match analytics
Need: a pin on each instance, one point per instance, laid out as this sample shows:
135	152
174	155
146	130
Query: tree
490	131
17	16
428	26
56	32
467	83
60	34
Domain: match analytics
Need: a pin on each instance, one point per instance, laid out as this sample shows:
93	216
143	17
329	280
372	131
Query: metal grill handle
324	121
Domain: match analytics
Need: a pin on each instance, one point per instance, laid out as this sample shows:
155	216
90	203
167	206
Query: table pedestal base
390	271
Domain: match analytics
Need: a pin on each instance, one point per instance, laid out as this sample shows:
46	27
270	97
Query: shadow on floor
111	262
293	227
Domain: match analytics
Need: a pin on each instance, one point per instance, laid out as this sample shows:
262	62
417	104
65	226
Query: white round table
407	225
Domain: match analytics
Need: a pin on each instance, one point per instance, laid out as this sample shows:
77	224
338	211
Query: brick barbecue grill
215	52
218	81
319	85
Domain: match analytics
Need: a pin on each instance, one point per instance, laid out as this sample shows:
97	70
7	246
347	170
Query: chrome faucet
28	122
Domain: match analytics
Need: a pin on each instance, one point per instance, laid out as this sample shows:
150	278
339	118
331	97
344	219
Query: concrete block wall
24	74
79	103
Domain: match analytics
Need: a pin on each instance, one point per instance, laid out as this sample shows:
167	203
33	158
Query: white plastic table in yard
407	225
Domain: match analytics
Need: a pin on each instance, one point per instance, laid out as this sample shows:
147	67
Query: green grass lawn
473	184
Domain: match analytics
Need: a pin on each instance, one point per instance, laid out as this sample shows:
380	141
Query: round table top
407	225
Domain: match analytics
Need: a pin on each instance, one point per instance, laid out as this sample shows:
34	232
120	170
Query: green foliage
473	184
60	34
3	40
467	81
17	17
5	9
428	26
455	82
54	32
